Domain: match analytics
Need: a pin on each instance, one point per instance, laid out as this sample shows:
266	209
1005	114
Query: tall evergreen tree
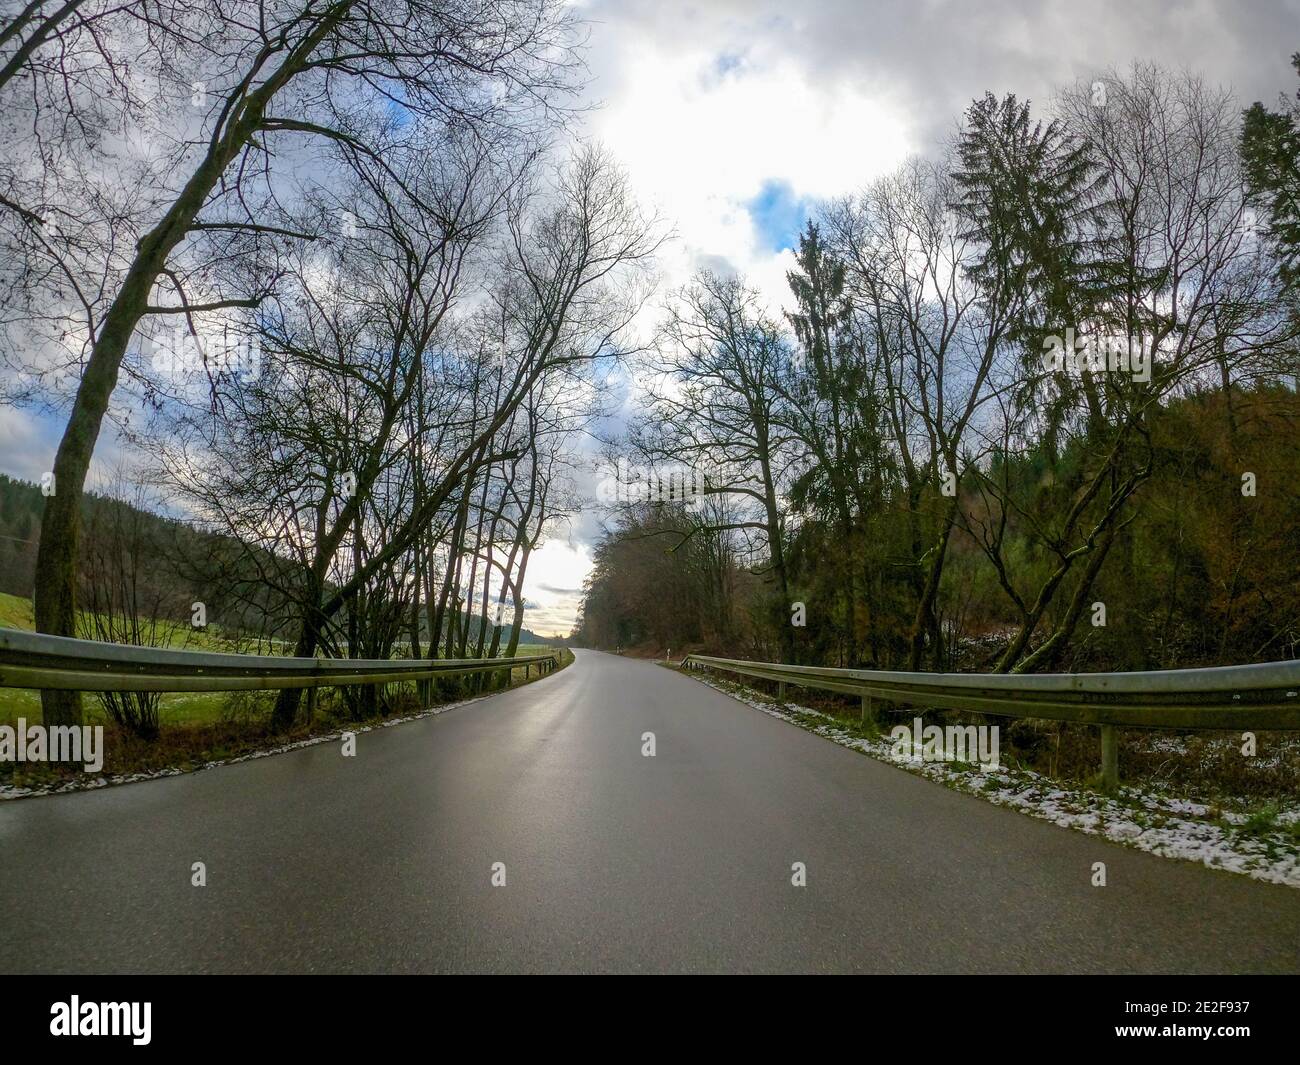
1033	196
1030	194
1270	151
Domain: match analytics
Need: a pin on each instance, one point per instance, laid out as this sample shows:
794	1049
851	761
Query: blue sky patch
726	62
778	215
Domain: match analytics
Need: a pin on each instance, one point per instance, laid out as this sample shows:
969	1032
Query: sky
733	118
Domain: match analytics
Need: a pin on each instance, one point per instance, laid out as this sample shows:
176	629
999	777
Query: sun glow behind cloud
553	586
733	115
723	140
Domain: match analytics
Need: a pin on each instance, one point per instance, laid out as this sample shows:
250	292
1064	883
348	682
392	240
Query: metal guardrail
1265	696
35	660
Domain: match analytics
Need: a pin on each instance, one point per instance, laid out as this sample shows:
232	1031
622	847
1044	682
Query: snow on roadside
1153	822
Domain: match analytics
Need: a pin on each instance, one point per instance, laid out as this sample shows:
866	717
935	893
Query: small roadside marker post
1109	758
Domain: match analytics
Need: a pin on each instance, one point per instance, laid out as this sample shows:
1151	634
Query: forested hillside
20	524
1192	580
168	564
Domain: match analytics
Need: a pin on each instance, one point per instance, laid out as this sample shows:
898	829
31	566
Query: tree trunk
926	622
54	597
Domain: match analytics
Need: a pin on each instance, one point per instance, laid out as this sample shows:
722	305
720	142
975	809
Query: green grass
177	708
16	613
19	702
1261	821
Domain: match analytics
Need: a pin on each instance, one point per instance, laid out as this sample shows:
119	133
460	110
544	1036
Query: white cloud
553	586
25	452
28	444
704	115
703	128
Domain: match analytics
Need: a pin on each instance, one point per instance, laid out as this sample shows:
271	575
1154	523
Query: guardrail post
1109	758
868	713
780	690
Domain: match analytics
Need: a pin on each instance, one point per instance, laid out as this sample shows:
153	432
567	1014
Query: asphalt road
613	861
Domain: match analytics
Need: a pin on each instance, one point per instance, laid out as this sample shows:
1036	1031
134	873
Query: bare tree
935	340
714	410
312	74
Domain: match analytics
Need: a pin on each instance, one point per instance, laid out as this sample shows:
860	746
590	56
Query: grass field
178	708
16	613
204	727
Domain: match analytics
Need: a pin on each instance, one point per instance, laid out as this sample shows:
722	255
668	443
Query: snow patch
1147	819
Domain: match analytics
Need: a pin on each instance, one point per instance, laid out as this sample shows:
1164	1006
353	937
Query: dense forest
1034	408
